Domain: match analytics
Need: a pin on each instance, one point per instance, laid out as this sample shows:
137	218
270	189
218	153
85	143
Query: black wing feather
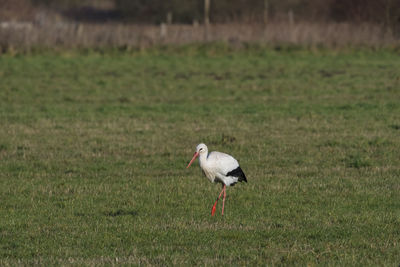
238	173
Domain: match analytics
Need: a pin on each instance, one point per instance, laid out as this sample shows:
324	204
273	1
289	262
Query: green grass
93	150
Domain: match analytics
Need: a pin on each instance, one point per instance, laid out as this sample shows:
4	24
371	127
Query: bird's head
200	149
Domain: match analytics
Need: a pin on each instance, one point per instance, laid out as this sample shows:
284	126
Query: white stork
218	168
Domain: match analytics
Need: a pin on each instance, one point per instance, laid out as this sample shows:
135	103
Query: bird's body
219	168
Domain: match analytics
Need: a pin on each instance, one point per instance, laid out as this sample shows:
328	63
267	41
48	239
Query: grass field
93	150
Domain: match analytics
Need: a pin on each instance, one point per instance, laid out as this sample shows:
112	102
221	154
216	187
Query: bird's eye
200	149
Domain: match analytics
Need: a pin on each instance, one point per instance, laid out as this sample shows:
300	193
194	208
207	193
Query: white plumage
218	167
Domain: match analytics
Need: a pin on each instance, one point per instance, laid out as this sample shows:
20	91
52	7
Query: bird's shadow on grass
120	212
112	213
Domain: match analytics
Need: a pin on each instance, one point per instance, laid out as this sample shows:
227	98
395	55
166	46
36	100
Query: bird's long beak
196	154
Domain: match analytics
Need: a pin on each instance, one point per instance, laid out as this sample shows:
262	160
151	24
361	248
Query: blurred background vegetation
154	11
328	22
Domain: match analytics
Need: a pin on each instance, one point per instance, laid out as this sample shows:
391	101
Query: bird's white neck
203	159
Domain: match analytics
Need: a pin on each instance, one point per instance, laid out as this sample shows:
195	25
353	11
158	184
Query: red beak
196	154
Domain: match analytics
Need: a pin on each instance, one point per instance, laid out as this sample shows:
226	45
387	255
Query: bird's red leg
223	201
215	204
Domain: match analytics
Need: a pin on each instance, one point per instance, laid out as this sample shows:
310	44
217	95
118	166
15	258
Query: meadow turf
93	150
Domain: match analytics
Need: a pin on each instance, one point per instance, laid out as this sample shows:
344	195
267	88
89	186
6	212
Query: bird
220	168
